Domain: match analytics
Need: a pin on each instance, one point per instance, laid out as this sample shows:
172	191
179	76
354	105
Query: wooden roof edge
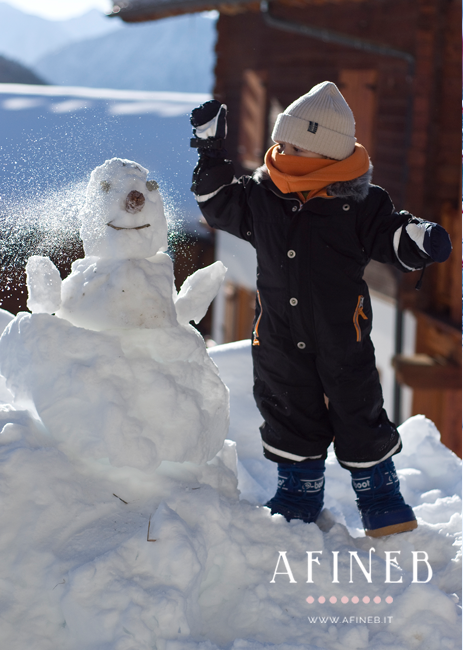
143	12
133	11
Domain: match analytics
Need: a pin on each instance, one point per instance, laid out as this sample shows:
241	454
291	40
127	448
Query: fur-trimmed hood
356	189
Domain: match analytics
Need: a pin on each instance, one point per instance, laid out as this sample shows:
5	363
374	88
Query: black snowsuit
313	313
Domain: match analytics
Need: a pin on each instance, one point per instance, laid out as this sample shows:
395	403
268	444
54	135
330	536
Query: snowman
126	278
108	361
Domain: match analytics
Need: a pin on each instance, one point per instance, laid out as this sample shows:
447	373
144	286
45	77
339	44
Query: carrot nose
134	202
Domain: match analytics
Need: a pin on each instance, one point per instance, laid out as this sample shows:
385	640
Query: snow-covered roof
138	101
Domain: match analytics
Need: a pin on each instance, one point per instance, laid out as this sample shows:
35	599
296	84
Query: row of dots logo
346	599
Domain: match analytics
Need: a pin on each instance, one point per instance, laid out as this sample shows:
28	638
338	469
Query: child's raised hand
209	123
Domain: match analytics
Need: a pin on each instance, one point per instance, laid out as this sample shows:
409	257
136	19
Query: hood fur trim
356	189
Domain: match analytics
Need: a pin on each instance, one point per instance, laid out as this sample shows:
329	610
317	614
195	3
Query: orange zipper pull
255	334
359	312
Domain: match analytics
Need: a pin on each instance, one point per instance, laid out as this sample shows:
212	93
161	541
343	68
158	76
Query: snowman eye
105	186
151	186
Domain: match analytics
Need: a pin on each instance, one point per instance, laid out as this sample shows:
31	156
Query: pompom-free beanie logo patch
313	126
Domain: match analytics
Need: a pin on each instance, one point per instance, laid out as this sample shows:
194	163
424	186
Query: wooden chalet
398	63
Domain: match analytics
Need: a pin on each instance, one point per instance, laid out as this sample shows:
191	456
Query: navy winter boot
382	507
300	491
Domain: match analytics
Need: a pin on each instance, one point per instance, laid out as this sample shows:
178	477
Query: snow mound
135	398
96	557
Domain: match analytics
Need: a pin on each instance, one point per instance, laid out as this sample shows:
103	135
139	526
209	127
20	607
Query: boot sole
404	527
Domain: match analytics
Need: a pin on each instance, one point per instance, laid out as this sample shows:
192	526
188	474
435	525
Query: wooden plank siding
359	88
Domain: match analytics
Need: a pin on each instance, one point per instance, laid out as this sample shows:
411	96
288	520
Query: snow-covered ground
96	557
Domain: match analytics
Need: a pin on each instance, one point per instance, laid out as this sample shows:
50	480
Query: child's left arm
399	238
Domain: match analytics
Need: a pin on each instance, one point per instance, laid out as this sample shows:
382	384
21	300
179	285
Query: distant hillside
26	38
174	54
12	72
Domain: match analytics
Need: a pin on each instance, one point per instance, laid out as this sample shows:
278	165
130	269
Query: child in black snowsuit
315	222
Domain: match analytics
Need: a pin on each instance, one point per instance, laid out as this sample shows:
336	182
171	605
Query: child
315	222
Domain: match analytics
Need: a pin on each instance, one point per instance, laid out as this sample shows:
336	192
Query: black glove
209	123
437	243
431	238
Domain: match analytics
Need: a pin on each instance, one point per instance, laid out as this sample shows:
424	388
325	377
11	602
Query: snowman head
123	216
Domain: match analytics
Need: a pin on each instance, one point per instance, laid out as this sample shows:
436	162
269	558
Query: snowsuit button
249	233
346	207
293	302
301	345
291	254
294	209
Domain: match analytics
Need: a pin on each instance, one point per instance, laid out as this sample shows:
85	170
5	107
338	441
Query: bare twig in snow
115	495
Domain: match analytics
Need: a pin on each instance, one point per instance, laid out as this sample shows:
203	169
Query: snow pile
135	400
81	570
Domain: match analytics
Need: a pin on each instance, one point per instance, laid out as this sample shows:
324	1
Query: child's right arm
222	198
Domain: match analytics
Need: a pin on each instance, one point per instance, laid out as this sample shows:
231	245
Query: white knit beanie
320	121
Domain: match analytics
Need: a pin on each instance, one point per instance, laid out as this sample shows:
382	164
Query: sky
60	9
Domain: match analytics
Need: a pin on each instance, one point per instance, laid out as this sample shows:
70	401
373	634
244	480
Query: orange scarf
312	175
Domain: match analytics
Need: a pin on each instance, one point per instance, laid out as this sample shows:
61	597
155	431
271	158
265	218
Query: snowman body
102	294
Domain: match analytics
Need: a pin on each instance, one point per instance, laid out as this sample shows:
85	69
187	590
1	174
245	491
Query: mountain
12	72
173	54
26	38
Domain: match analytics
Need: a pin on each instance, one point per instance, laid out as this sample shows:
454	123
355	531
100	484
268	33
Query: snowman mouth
146	225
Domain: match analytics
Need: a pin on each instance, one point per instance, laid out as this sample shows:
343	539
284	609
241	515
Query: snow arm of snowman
198	291
43	285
